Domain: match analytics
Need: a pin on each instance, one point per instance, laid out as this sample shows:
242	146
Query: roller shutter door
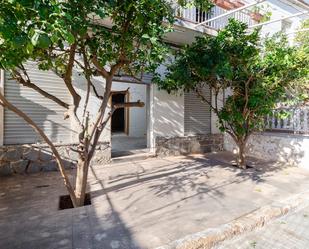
197	118
46	113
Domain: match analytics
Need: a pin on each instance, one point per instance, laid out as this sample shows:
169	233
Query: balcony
185	30
297	120
194	15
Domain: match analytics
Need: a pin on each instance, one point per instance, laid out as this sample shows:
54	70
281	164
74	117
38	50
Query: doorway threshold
132	155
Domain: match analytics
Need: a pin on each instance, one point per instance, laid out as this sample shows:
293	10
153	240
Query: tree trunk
39	131
84	163
241	158
81	181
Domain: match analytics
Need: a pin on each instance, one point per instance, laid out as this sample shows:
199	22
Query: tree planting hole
42	186
65	201
248	166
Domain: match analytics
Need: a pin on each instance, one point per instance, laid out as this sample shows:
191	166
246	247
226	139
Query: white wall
93	105
282	147
137	115
168	115
167	111
280	9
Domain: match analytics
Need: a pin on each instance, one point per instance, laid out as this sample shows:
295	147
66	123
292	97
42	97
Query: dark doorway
118	118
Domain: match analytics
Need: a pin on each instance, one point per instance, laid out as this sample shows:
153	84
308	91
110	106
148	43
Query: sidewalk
143	204
291	231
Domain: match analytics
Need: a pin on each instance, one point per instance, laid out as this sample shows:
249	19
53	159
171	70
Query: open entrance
118	123
129	125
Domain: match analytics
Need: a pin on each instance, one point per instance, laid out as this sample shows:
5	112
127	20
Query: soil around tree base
247	166
65	201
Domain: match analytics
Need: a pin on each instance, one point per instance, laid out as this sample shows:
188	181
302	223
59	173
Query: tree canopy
41	30
255	75
94	37
302	37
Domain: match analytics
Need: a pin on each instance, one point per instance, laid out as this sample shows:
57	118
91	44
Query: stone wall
292	149
174	146
21	159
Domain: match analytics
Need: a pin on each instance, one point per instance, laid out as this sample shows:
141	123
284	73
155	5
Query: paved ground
289	232
141	204
123	145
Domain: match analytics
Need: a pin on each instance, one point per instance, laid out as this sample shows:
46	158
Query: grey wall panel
197	118
46	113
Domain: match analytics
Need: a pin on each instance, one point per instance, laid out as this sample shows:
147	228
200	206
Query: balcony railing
195	15
297	121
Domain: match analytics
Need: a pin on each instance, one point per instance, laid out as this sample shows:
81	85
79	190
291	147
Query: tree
255	77
302	36
96	37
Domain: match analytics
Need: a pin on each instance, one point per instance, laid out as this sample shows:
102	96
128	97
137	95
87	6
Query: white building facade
167	125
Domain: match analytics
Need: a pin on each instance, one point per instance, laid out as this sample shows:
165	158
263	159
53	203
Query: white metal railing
195	15
297	120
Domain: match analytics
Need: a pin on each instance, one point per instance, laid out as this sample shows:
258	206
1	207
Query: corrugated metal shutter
46	113
197	118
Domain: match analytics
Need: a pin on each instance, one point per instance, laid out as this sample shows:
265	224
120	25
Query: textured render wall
289	148
175	146
20	159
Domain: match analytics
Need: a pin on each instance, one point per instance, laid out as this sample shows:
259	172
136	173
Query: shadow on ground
141	204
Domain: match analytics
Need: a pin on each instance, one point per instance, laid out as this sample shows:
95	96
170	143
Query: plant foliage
254	75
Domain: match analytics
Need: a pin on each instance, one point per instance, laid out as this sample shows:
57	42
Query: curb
258	218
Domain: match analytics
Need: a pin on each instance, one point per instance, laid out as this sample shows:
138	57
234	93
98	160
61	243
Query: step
133	157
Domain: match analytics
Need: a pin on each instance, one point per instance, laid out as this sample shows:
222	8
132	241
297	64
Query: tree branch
88	79
38	130
98	126
128	105
87	76
27	83
68	77
95	91
200	94
100	69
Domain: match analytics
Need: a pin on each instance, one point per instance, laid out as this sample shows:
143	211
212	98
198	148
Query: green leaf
40	39
29	48
68	36
145	36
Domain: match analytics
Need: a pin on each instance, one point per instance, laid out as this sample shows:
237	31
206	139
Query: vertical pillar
273	120
298	120
285	124
305	110
1	108
149	113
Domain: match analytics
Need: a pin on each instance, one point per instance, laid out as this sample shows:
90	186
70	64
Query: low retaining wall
20	159
174	146
290	148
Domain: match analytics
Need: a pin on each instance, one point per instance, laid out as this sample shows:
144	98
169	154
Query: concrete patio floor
123	145
143	204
